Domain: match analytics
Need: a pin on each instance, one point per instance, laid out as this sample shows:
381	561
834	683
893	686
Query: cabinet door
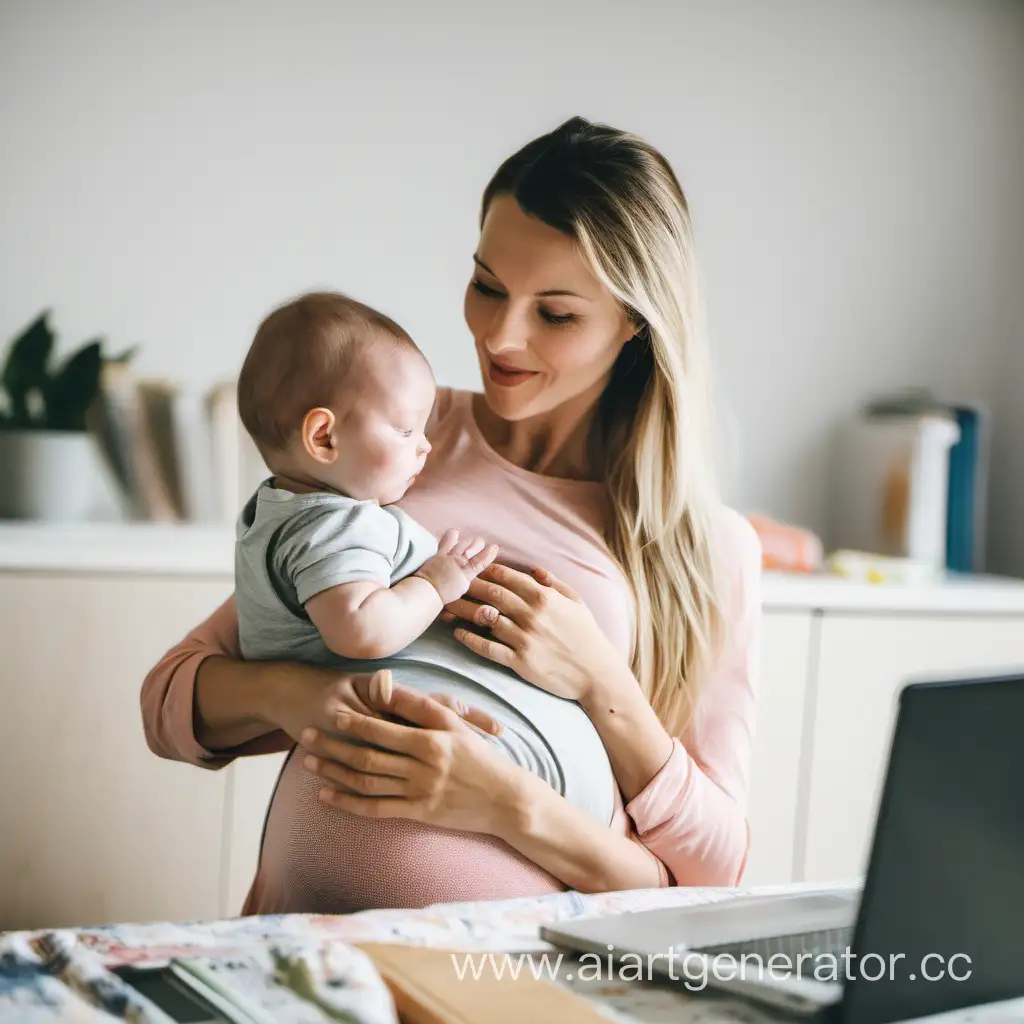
95	828
250	786
864	663
785	654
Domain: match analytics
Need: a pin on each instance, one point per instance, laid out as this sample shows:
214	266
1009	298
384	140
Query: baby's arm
364	619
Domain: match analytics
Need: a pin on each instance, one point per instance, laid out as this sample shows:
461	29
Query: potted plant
48	464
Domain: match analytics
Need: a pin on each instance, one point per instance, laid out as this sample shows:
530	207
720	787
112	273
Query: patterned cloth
303	969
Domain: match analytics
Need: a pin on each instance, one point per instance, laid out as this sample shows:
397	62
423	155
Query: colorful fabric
63	976
304	968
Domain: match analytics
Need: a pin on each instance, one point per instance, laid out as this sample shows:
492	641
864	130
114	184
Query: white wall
1006	550
170	171
1006	538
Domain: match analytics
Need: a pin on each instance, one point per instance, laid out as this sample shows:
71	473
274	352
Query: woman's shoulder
737	536
740	558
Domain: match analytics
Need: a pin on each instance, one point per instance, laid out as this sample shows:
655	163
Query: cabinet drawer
786	639
95	827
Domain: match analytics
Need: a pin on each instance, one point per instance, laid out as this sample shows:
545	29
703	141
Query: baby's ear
317	435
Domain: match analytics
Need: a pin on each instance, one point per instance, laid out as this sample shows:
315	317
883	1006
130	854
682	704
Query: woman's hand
445	774
541	629
442	773
303	697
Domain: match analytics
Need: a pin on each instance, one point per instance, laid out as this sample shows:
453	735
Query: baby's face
381	423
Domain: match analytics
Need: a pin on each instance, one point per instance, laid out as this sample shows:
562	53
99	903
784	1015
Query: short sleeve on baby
334	540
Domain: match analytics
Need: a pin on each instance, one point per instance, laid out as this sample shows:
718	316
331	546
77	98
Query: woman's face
547	331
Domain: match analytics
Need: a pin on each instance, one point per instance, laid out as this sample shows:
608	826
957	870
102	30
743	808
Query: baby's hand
457	563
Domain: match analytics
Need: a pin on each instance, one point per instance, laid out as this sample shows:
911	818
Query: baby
328	570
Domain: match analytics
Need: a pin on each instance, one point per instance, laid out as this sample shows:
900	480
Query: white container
890	490
47	475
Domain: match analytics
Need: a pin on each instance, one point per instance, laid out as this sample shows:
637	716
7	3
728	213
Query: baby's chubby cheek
387	474
362	463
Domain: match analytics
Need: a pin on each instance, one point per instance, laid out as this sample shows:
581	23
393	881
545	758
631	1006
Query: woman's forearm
569	844
638	745
230	701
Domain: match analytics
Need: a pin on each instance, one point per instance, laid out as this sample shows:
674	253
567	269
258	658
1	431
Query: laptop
938	924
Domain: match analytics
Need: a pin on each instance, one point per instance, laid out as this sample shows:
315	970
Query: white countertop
975	595
205	551
117	548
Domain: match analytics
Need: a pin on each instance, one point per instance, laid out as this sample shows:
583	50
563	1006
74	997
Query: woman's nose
506	332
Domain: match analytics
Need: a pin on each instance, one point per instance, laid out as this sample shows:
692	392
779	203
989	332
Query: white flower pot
47	475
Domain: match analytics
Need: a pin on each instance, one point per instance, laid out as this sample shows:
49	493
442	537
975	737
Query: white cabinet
863	662
775	777
251	784
93	827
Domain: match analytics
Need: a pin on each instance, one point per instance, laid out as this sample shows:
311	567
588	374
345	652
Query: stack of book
174	455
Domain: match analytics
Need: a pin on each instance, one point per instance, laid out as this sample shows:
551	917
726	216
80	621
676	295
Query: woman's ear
318	435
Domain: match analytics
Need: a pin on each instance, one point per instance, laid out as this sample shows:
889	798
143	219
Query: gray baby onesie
291	547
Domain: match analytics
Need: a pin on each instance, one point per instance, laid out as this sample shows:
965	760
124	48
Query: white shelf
117	548
207	551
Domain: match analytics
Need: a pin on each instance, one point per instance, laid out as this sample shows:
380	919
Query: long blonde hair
619	199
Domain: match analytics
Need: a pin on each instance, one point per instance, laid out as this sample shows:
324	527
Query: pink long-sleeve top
691	817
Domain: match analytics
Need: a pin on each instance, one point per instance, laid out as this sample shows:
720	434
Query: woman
587	454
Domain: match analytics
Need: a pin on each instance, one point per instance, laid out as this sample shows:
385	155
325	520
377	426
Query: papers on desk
292	984
56	976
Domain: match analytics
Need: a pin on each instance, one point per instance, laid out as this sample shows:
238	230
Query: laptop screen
942	915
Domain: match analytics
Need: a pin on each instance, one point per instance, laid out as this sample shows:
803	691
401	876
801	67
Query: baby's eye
406	433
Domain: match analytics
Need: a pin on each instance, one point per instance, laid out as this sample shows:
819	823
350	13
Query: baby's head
336	396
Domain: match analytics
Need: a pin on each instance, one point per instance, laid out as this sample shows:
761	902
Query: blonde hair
299	359
619	199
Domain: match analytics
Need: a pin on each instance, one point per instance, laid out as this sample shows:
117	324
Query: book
174	455
122	425
968	492
238	466
195	452
158	400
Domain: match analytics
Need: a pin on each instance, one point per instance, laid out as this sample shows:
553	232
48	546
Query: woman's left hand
540	628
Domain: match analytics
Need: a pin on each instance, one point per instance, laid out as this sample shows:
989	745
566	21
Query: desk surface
503	926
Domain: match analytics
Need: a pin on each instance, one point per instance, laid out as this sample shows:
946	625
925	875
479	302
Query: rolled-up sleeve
693	813
168	693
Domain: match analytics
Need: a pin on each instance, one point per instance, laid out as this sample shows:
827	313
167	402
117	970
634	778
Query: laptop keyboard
832	943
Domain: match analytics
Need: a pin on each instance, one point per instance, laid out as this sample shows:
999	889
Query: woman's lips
509	378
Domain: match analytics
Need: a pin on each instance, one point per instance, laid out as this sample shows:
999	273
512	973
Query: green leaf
72	390
25	369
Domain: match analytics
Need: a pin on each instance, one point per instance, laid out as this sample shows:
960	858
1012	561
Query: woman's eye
555	319
486	290
558	319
